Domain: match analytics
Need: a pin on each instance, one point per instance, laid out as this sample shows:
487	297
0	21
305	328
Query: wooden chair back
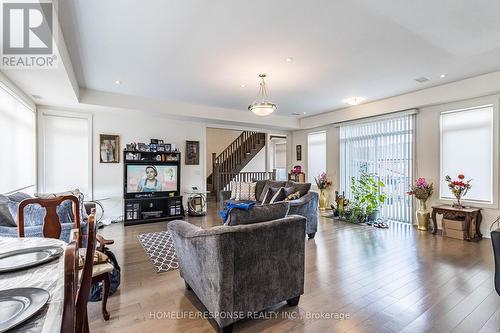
77	284
51	223
71	262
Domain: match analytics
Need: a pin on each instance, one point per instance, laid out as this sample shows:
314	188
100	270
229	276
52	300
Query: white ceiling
200	51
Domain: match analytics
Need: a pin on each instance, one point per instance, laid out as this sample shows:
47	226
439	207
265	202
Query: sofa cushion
258	214
303	188
270	183
34	214
259	187
6	219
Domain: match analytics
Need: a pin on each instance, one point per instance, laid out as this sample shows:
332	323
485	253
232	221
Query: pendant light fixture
262	107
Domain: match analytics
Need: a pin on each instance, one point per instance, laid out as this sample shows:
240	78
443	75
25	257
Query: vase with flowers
323	184
422	190
459	187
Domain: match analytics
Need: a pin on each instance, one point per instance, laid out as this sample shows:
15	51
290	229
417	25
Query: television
151	178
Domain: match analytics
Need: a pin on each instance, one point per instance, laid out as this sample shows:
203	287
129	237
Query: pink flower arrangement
458	187
422	189
322	181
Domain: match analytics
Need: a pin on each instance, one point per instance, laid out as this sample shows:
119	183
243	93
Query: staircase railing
234	158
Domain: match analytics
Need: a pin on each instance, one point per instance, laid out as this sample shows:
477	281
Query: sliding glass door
384	148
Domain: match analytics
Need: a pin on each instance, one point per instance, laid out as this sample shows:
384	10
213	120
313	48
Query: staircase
234	158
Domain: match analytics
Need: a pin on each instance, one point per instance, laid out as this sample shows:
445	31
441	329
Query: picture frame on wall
192	153
299	152
109	148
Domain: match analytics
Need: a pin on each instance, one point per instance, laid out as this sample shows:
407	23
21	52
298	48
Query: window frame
467	106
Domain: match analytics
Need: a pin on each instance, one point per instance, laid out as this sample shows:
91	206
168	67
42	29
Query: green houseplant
367	197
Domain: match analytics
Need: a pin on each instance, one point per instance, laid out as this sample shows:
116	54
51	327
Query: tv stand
145	207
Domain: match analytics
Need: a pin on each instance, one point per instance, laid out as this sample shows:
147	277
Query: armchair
243	268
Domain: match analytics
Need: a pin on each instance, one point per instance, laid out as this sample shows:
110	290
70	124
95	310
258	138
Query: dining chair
77	283
51	223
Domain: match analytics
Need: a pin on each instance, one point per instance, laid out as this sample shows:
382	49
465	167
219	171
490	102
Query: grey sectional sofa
242	269
306	205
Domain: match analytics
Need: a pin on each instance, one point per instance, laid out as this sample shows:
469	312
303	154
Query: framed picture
109	148
160	142
299	152
192	152
155	141
160	147
168	147
153	147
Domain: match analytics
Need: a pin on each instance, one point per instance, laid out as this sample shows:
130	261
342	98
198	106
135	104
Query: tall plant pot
322	199
423	215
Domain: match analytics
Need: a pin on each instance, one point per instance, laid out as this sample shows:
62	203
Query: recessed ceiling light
243	85
354	100
304	112
442	76
118	82
289	59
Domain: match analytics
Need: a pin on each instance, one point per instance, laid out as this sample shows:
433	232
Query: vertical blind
470	131
316	155
18	142
384	148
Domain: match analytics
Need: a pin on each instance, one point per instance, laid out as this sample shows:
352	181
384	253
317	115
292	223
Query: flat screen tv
151	178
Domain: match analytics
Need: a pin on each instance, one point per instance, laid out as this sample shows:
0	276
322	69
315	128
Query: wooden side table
470	214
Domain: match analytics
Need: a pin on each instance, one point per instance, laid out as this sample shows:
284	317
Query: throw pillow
258	214
279	196
303	188
271	183
293	196
6	219
243	191
271	192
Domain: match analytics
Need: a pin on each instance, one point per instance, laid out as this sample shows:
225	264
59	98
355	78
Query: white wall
257	163
427	151
218	139
141	127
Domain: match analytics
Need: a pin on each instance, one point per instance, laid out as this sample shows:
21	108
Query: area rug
161	251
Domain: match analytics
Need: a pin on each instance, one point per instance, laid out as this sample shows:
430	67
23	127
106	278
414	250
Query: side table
469	213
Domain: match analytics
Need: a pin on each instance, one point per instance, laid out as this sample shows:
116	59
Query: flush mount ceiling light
354	100
262	107
289	59
442	76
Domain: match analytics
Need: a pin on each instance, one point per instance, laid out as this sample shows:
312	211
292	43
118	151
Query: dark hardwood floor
395	280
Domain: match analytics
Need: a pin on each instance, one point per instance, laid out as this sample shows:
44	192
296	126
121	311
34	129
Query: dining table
48	276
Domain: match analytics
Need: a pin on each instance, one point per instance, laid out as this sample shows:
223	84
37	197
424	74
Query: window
66	158
467	148
18	138
384	148
316	155
280	160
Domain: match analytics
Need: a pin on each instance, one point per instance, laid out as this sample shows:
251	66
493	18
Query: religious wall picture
299	152
192	152
109	148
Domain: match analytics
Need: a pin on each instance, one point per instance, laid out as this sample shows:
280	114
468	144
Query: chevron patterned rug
161	251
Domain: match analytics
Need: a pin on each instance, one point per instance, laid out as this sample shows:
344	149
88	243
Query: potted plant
459	188
367	196
323	184
422	190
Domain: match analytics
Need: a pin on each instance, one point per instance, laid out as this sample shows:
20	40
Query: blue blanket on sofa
232	205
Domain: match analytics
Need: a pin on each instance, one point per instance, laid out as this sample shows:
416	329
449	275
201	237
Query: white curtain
66	153
18	142
469	131
382	147
316	155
